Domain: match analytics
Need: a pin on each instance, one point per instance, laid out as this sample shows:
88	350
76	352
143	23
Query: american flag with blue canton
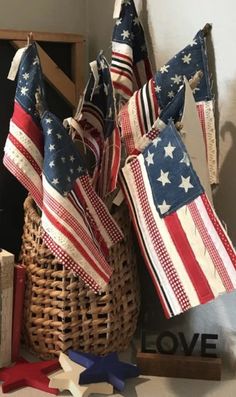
62	162
99	129
24	145
169	79
77	225
173	179
190	258
130	65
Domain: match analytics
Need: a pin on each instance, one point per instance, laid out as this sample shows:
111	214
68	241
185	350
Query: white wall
168	27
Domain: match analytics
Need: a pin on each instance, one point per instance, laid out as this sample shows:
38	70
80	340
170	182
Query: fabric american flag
77	226
168	101
169	79
76	223
98	127
187	251
130	65
24	146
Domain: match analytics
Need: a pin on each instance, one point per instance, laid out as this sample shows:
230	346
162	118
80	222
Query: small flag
98	127
130	65
169	79
77	226
24	145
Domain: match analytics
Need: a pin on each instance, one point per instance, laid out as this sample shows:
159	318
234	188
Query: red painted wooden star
24	373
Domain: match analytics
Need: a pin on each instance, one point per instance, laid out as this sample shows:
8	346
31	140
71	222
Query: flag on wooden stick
187	251
77	226
24	146
97	127
170	77
130	65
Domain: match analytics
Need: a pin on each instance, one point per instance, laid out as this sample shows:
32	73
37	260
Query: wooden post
78	56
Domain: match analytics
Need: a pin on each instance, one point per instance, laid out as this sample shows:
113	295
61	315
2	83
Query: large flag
97	127
24	146
130	65
187	251
39	152
170	77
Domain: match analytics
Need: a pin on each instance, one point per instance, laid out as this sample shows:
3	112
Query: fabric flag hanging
75	221
24	145
98	128
187	252
170	77
130	65
76	224
167	100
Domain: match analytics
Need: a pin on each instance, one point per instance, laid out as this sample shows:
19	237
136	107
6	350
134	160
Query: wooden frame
70	89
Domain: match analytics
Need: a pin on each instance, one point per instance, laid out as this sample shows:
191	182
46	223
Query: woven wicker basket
60	312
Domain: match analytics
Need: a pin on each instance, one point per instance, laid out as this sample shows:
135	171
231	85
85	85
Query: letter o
162	348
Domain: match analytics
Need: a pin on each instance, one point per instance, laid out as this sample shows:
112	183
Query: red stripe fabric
157	241
214	254
24	121
219	230
184	249
25	153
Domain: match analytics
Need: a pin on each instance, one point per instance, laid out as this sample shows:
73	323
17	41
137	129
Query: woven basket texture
61	312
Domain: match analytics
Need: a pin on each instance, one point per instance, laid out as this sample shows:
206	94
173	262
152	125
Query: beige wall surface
44	15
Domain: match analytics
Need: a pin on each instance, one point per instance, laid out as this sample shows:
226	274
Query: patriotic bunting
77	226
187	252
130	66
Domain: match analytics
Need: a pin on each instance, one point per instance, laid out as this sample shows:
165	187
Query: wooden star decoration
104	369
69	380
24	373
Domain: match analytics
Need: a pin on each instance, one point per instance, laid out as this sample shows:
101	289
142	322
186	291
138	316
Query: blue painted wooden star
103	369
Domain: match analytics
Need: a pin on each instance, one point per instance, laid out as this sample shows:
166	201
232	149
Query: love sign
167	343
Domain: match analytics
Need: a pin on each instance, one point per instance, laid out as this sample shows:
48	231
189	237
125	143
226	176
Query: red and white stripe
23	152
138	116
127	77
188	253
110	164
67	236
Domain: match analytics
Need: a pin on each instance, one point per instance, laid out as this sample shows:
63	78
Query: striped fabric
130	65
76	225
137	117
187	252
97	127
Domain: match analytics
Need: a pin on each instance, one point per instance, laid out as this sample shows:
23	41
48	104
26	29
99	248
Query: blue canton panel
173	180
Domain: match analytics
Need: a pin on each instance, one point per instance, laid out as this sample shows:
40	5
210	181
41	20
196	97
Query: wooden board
6	306
69	89
179	366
